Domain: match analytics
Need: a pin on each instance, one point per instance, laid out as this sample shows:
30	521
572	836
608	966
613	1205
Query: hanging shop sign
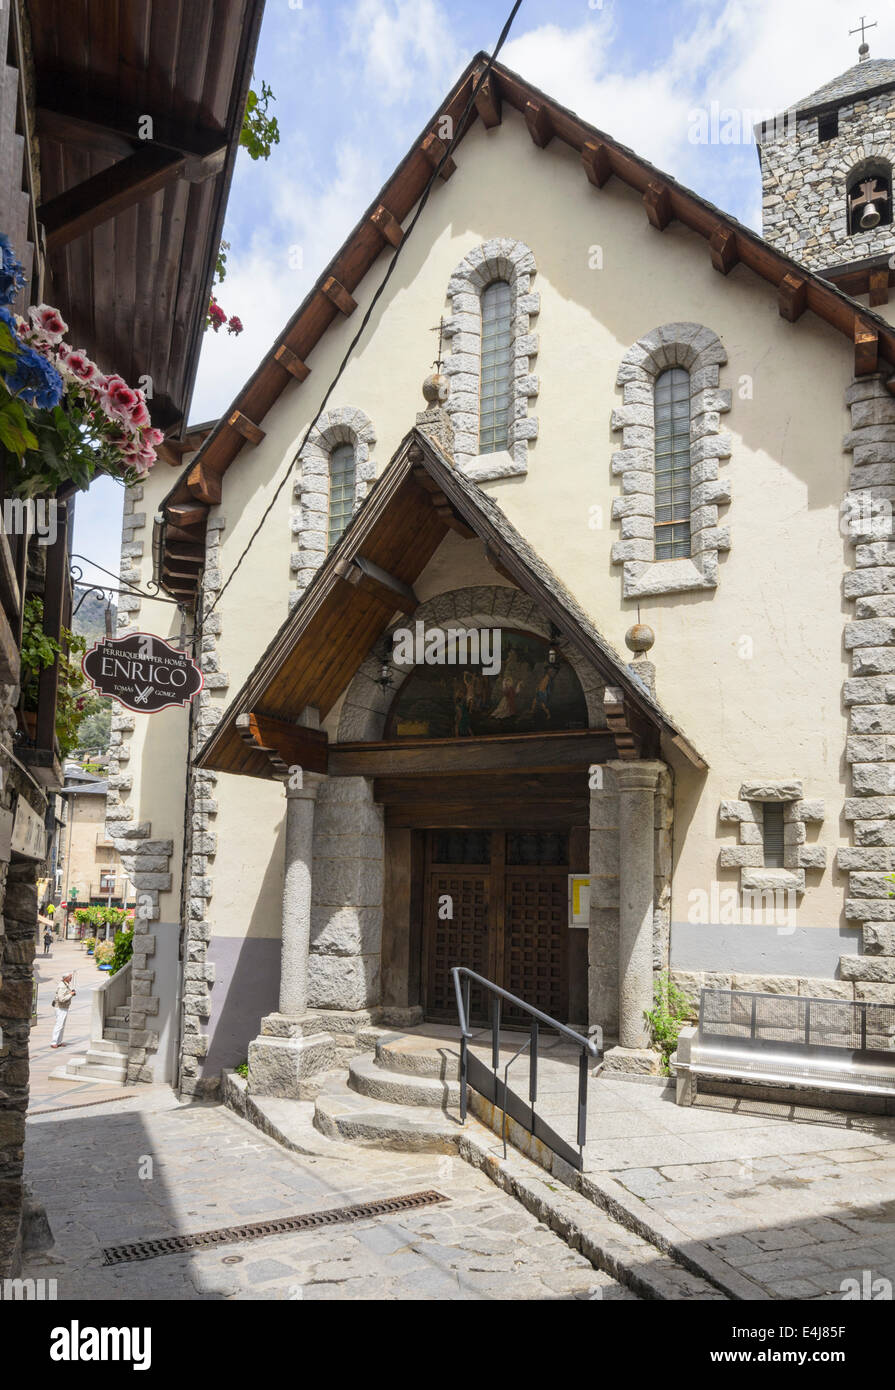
142	672
29	834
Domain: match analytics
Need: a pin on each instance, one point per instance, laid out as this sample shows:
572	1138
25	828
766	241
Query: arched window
495	390
672	418
341	490
869	196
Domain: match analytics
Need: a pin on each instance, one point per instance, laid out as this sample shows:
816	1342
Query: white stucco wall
752	670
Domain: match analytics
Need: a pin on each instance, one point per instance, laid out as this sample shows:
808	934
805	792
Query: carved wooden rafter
284	745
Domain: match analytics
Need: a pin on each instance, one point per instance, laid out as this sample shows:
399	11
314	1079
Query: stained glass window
341	490
672	416
495	390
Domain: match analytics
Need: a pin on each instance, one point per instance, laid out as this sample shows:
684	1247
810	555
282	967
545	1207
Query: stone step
116	1035
368	1078
108	1044
415	1055
341	1113
89	1069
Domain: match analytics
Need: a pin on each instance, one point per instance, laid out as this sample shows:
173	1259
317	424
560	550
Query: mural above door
529	694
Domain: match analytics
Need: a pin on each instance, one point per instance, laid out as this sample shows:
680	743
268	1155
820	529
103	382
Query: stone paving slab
210	1168
767	1199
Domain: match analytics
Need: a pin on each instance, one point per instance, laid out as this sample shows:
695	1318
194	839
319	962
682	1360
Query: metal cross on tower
439	329
865	47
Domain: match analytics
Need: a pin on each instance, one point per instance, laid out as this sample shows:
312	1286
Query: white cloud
403	44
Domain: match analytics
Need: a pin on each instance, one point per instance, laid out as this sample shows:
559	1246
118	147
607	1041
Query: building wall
85	860
752	669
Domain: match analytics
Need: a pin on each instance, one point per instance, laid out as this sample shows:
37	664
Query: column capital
311	783
637	774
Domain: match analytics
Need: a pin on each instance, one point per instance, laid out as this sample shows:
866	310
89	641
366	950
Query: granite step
368	1077
342	1113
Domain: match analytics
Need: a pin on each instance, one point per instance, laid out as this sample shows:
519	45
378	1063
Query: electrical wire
424	198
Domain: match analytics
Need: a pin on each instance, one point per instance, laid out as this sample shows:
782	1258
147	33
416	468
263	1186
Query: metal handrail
590	1047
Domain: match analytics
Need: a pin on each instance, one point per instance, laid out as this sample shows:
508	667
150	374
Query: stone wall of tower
804	183
870	692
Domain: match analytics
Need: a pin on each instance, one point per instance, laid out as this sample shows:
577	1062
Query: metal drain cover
231	1235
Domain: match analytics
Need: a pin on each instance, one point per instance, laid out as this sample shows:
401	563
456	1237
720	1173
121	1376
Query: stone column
292	1047
636	783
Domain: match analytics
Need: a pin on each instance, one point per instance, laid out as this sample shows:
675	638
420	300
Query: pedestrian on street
61	1003
48	940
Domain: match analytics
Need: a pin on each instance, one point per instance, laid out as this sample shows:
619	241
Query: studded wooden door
497	901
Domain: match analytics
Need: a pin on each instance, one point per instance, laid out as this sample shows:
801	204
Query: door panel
536	935
462	939
509	923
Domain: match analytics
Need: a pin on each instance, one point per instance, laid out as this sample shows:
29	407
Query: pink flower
118	399
235	325
78	363
216	315
47	321
154	437
139	415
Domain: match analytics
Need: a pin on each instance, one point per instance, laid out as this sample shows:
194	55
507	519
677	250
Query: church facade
577	670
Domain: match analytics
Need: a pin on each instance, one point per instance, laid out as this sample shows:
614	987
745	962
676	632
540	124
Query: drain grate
232	1235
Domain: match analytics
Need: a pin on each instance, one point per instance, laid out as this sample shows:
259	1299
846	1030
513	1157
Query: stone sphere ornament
436	389
639	638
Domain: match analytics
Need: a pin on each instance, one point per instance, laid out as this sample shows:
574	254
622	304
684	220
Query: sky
356	80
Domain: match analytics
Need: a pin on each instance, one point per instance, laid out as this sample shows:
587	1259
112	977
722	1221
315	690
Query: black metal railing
474	1073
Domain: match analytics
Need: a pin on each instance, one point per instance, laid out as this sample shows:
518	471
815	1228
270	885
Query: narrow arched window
869	196
495	386
341	490
672	417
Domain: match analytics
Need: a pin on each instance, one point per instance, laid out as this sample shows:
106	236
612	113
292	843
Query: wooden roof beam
723	248
657	201
596	161
287	745
539	122
387	225
619	721
183	514
246	427
104	196
792	297
434	149
487	102
339	296
292	362
371	579
204	485
879	287
866	349
79	118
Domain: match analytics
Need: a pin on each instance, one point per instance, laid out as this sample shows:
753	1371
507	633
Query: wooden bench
780	1041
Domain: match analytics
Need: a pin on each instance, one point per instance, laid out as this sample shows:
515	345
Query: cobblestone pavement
47	1092
796	1198
211	1169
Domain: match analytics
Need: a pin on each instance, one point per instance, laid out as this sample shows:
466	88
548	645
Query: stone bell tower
826	169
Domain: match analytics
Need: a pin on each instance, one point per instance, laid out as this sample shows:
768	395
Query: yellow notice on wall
579	900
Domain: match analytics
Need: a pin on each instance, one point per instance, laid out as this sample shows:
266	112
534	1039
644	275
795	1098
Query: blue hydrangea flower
12	276
35	380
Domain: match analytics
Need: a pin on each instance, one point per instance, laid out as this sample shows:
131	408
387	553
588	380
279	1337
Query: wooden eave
665	200
133	224
325	639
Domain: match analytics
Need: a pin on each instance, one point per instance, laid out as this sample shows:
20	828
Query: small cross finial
864	50
439	329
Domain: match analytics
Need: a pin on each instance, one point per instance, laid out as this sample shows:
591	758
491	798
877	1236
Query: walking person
61	1003
48	940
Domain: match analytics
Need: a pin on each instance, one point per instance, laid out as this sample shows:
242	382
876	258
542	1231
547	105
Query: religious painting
527	694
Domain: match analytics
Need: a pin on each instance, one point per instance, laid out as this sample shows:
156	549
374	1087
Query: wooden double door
497	901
